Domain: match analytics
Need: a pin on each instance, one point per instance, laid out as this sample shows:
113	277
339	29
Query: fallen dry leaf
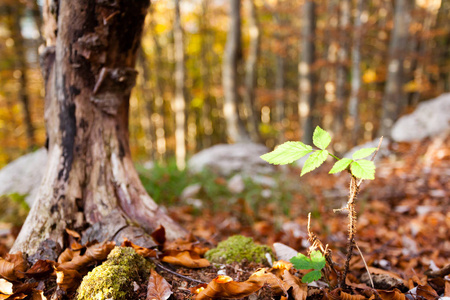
299	289
67	279
38	295
13	266
6	287
158	288
159	235
346	296
70	259
189	244
262	276
224	287
73	234
41	268
391	295
186	259
426	292
144	252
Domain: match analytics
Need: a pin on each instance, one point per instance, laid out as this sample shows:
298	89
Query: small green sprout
315	261
291	151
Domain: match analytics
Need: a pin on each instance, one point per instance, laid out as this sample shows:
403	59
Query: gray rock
24	175
228	159
236	184
430	118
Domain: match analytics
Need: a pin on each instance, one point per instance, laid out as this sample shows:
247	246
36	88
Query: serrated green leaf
314	161
363	169
341	165
287	153
301	262
317	260
362	153
311	276
321	138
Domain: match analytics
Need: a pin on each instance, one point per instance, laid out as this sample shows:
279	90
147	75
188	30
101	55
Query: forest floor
403	231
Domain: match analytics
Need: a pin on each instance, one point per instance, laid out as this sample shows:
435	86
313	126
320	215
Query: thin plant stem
365	264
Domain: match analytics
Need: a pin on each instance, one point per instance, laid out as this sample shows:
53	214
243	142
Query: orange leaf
67	279
38	295
73	234
13	266
346	296
159	235
6	287
300	289
185	258
262	276
426	292
70	259
391	295
41	269
158	288
225	287
144	252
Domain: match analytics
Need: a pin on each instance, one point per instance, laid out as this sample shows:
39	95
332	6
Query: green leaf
318	260
363	169
287	153
314	161
341	165
362	153
302	262
321	138
311	276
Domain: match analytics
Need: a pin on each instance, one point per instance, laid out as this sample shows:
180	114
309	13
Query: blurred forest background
351	66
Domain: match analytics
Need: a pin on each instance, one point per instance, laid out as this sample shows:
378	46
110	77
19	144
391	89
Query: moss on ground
238	248
114	278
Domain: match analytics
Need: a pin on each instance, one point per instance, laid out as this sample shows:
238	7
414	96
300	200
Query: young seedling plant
359	169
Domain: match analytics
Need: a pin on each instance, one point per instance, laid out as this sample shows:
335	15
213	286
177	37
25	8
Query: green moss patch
238	248
114	278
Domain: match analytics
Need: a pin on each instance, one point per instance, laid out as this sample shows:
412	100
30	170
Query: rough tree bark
235	128
306	76
394	98
90	181
179	103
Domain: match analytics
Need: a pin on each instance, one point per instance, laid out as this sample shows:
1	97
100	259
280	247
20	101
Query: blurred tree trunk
250	72
179	103
16	14
307	97
394	99
205	66
342	70
147	97
90	178
279	79
235	128
159	86
355	93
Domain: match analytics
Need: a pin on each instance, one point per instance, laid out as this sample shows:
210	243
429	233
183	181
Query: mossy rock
114	278
238	248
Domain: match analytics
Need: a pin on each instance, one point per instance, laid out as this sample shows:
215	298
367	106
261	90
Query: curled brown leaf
158	288
224	287
187	259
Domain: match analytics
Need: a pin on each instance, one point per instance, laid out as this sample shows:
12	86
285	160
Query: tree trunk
90	180
235	129
179	103
21	66
250	72
306	76
394	98
342	70
279	80
353	104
